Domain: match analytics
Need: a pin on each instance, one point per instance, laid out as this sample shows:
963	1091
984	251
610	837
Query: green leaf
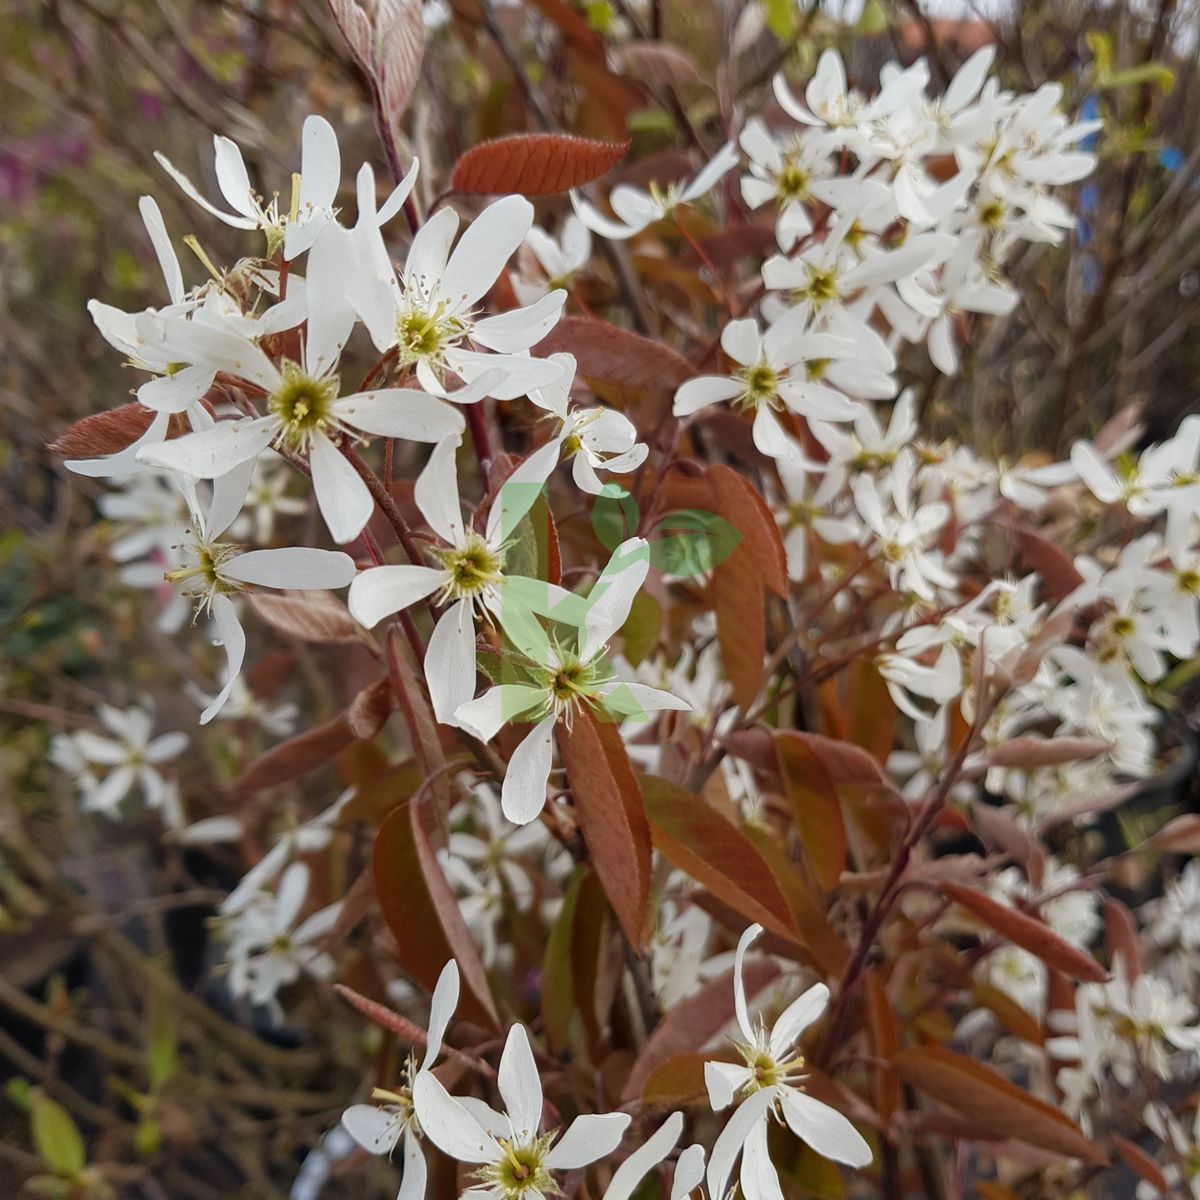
781	17
641	628
58	1141
1151	72
558	994
163	1057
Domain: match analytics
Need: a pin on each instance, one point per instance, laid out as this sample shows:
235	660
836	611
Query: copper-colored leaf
679	1080
612	818
1141	1164
1031	751
987	1099
1009	1013
309	616
657	64
370	709
696	838
534	164
816	808
420	909
1027	932
872	710
618	356
107	432
1059	574
1121	938
761	548
694	1022
741	629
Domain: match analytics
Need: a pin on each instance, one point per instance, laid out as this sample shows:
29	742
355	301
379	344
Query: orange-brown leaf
614	355
107	432
883	1033
816	808
419	907
309	616
1031	751
761	548
694	1022
612	818
741	629
987	1099
1027	932
534	164
696	838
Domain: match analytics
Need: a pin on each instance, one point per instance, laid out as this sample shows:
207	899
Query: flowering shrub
722	753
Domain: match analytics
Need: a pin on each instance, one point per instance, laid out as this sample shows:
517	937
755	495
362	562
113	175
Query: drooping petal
825	1129
193	193
232	178
612	594
519	492
416	1171
695	394
523	793
519	1083
343	498
731	1139
448	1125
450	661
588	1138
232	637
380	591
759	1179
689	1172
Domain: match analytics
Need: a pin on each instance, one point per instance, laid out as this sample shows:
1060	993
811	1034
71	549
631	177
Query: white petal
588	1138
450	661
343	498
229	633
649	1154
231	176
431	246
436	492
759	1179
739	988
238	222
380	591
524	791
375	1130
175	393
825	1129
797	1017
519	1083
520	328
416	1171
212	452
441	1009
723	1081
163	250
636	701
448	1125
520	491
489	242
695	394
497	706
730	1140
402	413
612	594
689	1172
291	567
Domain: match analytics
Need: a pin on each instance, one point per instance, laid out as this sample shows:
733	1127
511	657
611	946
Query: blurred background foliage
102	928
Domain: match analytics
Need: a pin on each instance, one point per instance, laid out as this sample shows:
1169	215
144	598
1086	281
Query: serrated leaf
534	164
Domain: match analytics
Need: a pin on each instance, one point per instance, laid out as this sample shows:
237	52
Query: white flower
781	370
514	1161
429	313
212	571
768	1079
869	446
132	754
806	512
269	950
561	259
782	171
594	439
378	1127
306	414
562	679
637	208
1176	916
469	578
320	176
905	530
